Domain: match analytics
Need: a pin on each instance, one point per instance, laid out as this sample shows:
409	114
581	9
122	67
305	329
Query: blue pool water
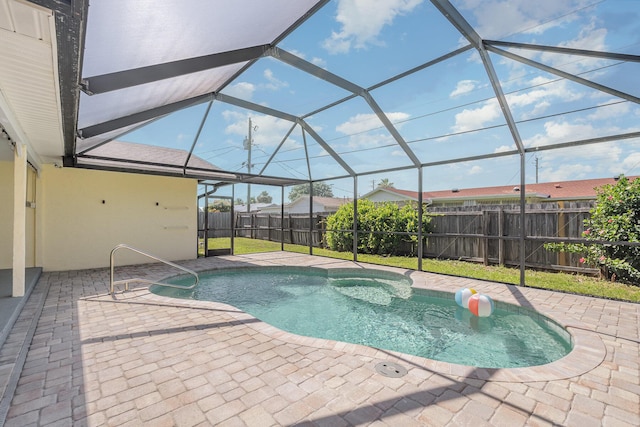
380	309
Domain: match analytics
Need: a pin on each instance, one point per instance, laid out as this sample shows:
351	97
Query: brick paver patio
76	356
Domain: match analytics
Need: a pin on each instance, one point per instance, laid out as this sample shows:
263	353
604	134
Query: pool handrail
126	282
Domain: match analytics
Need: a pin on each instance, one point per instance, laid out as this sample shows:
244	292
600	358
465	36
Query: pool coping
588	350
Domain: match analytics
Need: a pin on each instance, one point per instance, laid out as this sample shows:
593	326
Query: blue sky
444	112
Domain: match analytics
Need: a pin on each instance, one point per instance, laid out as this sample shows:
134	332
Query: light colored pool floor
76	356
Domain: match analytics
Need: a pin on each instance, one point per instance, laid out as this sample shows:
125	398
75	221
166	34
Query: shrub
614	218
383	219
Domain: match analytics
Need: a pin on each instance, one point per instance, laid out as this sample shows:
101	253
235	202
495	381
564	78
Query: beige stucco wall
6	214
155	214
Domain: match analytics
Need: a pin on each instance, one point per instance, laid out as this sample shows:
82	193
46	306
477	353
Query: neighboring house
581	190
255	207
301	205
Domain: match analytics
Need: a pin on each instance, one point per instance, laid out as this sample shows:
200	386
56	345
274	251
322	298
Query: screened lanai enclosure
255	98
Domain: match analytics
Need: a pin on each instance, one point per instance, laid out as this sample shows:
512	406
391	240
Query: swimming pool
380	309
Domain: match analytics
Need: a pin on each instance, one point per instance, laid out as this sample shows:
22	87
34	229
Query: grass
564	282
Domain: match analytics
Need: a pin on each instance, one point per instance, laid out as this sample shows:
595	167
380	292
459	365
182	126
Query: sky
445	111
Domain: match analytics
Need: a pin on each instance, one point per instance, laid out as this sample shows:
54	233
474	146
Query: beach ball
481	305
462	296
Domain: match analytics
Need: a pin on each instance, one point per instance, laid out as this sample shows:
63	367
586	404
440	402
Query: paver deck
77	356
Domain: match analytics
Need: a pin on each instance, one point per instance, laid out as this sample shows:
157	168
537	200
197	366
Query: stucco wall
6	214
86	213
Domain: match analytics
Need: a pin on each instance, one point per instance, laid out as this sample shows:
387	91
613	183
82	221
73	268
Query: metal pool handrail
126	282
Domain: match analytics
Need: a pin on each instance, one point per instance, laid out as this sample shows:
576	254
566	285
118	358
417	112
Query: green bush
377	223
614	218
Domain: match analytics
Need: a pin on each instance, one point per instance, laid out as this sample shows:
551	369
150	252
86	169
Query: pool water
380	309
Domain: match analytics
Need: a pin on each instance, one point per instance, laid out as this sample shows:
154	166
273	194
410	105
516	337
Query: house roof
564	190
334	202
328	203
147	157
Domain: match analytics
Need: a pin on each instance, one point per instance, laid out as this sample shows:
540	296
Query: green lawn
573	283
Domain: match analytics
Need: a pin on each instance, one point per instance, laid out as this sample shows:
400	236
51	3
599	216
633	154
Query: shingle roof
147	153
119	155
565	190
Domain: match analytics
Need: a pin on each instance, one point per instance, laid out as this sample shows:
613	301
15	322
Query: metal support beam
565	75
306	154
310	218
326	146
420	223
277	149
567	50
327	76
314	70
70	23
502	100
195	140
391	128
132	119
123	79
497	88
458	21
255	107
355	219
421	67
282	218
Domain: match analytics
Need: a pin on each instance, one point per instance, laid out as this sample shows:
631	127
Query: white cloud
556	132
590	38
565	172
366	122
630	165
463	87
544	94
267	131
319	62
183	137
505	148
600	158
470	119
315	60
610	111
365	130
475	170
272	82
362	20
242	90
495	19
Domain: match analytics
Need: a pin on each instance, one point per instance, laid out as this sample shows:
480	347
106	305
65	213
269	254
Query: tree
220	206
384	183
264	197
379	225
240	201
320	189
615	218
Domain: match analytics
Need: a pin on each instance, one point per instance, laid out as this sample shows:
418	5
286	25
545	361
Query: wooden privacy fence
217	223
491	234
487	233
296	228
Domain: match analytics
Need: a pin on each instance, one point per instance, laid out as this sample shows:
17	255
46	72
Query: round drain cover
391	369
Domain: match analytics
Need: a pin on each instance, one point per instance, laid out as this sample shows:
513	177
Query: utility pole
536	169
247	146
